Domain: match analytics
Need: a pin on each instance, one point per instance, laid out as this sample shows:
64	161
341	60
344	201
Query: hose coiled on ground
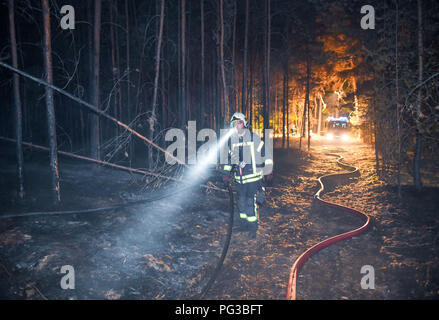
292	281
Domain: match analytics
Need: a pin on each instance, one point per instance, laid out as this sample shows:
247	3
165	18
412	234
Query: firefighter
249	162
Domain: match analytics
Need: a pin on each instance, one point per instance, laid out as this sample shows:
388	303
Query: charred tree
398	112
164	90
51	121
319	114
152	119
114	68
285	103
95	126
285	64
266	111
188	62
305	117
224	106
288	120
233	105
118	89
418	146
202	90
127	26
183	65
304	122
87	129
244	66
308	76
17	101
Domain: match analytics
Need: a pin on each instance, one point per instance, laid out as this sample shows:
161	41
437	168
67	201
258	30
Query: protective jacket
249	158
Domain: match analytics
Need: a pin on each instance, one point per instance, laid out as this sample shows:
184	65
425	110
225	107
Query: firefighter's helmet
237	116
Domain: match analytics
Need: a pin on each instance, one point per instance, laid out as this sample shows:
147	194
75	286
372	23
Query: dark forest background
285	64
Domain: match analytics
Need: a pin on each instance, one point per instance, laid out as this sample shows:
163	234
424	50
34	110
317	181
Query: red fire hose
292	281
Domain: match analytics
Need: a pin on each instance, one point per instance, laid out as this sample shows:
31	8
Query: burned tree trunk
95	126
308	76
418	147
163	88
306	118
319	114
183	64
113	67
127	26
398	116
303	127
17	101
202	93
285	103
118	88
51	121
288	118
222	67
153	117
233	103
88	117
267	66
244	67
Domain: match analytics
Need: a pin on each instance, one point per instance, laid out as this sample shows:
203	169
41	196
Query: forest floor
168	249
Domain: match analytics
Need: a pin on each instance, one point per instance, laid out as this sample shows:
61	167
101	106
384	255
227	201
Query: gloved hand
260	196
226	181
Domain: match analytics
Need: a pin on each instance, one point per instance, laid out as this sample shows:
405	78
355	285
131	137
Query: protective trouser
247	204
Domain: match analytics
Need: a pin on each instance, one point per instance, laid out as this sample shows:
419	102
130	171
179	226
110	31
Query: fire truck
338	128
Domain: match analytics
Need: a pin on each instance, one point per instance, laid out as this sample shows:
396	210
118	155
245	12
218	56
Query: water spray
195	174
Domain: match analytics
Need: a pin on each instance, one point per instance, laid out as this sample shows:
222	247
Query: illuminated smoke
196	173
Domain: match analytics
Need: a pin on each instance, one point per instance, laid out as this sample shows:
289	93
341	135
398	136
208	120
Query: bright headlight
345	137
329	136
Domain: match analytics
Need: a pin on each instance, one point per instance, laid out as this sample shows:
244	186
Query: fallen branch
90	107
109	164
